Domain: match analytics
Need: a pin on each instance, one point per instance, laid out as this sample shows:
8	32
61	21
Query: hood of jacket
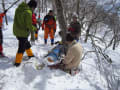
23	6
23	21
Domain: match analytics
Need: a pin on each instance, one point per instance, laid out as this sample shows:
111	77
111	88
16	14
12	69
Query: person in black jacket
75	28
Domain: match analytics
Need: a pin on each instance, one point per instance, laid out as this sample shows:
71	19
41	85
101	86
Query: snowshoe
25	58
40	66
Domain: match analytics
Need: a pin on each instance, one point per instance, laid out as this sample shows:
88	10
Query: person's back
21	20
49	20
73	57
34	20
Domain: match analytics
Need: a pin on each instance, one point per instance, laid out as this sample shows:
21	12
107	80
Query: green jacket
23	21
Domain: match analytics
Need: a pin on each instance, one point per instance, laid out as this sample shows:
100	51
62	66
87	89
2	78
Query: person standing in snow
73	56
21	29
49	27
34	23
1	35
38	24
39	21
75	28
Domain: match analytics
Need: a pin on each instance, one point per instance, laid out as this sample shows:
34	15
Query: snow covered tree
61	19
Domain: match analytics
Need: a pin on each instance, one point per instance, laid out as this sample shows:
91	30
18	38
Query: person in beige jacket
73	55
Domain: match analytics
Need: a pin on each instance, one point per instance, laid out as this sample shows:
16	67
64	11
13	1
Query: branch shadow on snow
40	78
6	63
46	76
93	83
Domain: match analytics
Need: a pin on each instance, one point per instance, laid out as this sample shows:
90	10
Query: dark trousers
36	32
23	44
1	36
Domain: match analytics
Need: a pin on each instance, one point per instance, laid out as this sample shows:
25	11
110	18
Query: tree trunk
39	6
61	19
53	6
25	1
87	32
3	5
42	6
46	6
78	7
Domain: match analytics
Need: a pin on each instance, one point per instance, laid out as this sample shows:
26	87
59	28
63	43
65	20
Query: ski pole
12	5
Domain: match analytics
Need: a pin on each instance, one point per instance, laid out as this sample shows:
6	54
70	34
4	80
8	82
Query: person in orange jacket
1	35
49	27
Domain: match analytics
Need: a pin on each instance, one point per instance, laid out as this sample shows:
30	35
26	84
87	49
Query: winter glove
5	11
54	31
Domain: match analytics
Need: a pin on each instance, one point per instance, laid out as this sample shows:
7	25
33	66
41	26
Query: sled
52	57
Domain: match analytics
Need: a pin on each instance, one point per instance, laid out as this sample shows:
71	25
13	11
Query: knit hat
69	37
32	4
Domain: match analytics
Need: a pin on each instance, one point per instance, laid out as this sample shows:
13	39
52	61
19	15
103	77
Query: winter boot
45	41
52	41
18	59
36	36
29	53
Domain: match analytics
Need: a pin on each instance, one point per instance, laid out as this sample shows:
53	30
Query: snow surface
27	77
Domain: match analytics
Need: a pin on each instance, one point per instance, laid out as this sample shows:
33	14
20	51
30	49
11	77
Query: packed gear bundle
55	55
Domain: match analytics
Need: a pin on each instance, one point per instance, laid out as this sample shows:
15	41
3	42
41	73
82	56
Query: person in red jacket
1	35
49	27
34	23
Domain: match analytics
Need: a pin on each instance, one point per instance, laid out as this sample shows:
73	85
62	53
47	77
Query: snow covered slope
26	77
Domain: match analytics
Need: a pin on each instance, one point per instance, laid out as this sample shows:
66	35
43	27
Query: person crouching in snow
49	25
1	35
22	27
73	57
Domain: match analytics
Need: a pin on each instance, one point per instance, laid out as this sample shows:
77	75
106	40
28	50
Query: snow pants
48	31
23	45
36	34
